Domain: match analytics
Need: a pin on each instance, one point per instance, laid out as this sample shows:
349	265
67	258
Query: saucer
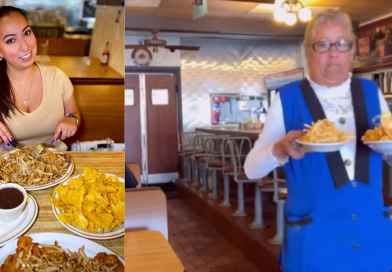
6	225
10	230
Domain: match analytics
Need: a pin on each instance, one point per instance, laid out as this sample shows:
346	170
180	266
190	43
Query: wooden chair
146	209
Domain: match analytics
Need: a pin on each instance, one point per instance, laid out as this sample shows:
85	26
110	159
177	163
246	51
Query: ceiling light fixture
290	10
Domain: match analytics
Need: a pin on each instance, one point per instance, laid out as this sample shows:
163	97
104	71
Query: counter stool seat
196	156
283	195
185	154
269	184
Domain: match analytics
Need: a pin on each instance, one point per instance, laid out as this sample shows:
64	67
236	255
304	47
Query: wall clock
141	56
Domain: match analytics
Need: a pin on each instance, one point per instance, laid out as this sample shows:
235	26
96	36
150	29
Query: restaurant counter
253	134
99	94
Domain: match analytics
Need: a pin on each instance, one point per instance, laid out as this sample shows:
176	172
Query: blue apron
334	224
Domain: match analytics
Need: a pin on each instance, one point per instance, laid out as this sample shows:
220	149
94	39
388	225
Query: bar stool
198	156
185	151
215	161
280	196
228	168
241	178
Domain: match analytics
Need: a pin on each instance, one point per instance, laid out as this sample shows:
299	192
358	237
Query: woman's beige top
39	126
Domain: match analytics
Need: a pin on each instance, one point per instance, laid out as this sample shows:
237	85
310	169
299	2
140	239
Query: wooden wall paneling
109	26
133	144
162	129
102	113
63	47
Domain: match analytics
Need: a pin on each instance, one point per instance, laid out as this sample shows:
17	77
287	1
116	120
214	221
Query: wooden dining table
80	71
107	162
149	251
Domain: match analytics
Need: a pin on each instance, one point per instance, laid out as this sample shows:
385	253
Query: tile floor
199	245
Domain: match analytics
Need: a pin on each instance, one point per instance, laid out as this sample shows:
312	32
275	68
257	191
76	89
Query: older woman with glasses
335	216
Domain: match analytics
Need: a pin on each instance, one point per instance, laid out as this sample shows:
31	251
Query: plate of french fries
49	168
380	138
323	136
57	252
91	205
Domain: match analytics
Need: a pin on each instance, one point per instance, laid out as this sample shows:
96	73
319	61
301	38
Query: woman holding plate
37	104
335	216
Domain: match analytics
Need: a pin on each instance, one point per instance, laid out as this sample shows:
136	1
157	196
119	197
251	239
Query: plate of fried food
380	138
91	205
51	252
49	168
323	136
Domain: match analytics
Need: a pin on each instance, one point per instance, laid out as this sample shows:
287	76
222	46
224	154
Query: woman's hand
5	135
66	127
287	147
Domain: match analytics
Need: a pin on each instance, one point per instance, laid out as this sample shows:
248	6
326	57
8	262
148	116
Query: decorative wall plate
141	56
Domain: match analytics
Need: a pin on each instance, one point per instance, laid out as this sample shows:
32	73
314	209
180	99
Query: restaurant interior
85	40
203	74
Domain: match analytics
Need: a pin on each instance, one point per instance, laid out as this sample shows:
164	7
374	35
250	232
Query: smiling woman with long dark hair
37	104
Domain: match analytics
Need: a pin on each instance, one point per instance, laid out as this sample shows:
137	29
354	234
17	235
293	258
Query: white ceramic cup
12	214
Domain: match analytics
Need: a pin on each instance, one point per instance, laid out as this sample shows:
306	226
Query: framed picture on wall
374	46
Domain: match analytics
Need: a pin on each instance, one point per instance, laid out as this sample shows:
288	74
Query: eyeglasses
325	46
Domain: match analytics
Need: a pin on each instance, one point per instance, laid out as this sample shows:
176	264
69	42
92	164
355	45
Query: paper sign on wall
160	96
129	100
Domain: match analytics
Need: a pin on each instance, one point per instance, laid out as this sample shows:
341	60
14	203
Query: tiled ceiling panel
140	10
176	3
175	12
367	4
224	13
328	3
231	6
359	10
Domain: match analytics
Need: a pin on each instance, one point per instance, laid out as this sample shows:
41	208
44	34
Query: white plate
115	233
11	231
71	242
383	147
69	172
316	147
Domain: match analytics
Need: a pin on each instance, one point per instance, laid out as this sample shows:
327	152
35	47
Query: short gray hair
329	15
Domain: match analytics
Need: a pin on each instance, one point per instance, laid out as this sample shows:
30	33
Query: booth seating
146	209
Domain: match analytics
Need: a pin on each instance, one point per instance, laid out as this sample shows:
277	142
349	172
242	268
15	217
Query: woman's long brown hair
7	105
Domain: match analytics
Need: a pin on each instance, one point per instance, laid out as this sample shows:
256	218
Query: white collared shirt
336	103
